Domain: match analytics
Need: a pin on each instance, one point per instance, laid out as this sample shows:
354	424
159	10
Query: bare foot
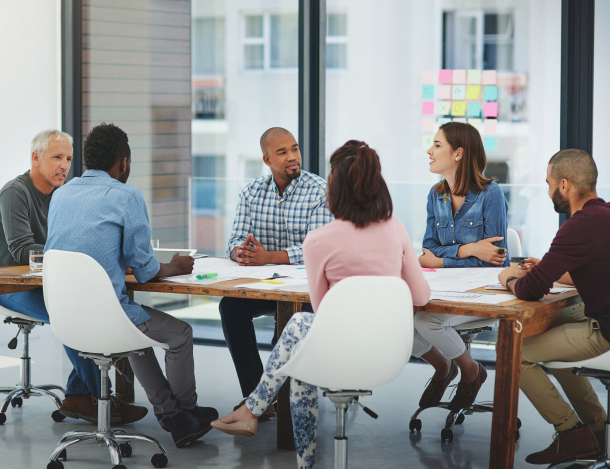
243	413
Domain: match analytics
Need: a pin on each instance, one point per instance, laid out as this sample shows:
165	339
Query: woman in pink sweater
364	239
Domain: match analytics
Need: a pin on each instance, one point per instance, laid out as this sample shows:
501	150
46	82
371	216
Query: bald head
576	166
269	134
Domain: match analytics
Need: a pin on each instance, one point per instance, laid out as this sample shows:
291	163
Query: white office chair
598	368
468	332
362	337
86	315
25	389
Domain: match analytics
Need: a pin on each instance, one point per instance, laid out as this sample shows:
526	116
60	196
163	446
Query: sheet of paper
490	93
443	107
458	108
474	76
462	280
490	143
443	92
554	290
32	274
490	109
459	76
474	109
194	280
473	92
427	92
484	298
427	108
444	76
459	92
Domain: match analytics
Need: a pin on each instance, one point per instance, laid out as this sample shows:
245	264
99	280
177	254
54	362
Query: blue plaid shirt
281	223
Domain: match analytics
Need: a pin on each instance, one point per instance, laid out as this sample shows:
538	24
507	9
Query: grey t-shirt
23	219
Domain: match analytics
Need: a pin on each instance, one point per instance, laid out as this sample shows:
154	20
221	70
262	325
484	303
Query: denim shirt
482	215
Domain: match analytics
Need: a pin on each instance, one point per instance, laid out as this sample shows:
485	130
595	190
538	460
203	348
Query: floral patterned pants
303	396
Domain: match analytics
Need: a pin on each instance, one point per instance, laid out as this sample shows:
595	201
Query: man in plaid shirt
274	214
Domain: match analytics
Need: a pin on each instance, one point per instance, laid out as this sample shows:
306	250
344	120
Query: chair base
117	442
582	464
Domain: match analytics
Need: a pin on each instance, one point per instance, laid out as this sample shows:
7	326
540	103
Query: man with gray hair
24	207
579	256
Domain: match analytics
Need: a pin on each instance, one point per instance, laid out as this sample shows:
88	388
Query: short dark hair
469	174
269	132
577	166
356	189
105	145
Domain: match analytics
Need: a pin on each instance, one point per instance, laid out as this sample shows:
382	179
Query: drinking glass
36	260
154	243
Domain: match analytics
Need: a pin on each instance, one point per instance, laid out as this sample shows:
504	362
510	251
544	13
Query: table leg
506	395
285	435
123	390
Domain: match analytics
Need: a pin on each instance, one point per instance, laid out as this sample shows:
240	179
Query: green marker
204	276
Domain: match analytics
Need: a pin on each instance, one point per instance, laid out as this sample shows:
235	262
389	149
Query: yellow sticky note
458	108
473	92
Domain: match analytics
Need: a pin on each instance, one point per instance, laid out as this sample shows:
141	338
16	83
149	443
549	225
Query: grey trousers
170	395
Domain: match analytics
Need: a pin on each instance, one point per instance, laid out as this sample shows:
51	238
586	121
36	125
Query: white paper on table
496	286
228	268
484	298
32	274
193	279
553	290
463	279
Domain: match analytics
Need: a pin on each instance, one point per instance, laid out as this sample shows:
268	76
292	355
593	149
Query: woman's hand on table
484	250
429	260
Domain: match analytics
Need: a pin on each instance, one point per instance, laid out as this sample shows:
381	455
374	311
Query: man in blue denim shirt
100	215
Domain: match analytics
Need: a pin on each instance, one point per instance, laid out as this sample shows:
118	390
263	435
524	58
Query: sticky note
460	119
427	77
474	109
427	92
458	108
490	93
443	92
443	107
490	126
459	76
459	92
427	107
444	76
473	92
489	143
426	141
489	77
490	109
474	77
443	120
427	124
476	123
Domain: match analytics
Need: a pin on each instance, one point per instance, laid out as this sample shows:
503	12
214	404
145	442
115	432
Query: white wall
30	81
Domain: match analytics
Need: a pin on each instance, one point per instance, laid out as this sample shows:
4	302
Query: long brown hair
469	174
356	189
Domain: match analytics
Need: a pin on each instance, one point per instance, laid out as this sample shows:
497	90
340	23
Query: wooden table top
516	309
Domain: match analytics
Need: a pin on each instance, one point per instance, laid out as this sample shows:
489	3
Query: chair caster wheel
2	418
55	465
518	423
415	425
57	416
126	449
63	455
119	466
460	419
446	435
17	402
517	435
159	460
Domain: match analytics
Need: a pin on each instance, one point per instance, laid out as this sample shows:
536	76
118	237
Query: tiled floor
29	433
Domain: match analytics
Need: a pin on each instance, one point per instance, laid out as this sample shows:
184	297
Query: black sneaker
185	428
200	413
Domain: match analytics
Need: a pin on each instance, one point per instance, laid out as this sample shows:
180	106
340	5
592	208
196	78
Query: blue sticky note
427	92
490	93
474	109
443	120
489	143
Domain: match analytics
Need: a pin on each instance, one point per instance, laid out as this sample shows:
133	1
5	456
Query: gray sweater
23	219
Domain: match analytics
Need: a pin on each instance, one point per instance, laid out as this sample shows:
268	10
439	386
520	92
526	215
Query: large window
601	97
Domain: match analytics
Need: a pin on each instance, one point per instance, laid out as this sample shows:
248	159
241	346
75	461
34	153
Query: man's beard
294	174
560	204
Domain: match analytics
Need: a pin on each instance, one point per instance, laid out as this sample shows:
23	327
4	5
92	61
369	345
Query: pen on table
204	276
272	281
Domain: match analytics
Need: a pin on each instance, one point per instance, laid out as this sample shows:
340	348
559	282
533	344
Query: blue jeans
85	377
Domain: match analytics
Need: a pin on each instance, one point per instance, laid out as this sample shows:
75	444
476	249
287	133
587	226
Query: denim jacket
482	215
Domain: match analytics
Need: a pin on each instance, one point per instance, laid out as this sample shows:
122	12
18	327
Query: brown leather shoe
435	389
467	392
129	413
576	443
85	407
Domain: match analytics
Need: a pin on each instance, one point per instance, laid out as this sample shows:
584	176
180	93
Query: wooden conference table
517	320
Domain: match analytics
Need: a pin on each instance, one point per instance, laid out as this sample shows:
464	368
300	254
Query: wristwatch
510	279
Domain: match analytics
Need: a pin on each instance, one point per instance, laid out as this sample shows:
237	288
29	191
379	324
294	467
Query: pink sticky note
427	124
459	76
427	77
490	126
428	107
443	91
489	77
490	110
444	76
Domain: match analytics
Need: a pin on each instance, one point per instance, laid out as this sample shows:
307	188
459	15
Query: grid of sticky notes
461	96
